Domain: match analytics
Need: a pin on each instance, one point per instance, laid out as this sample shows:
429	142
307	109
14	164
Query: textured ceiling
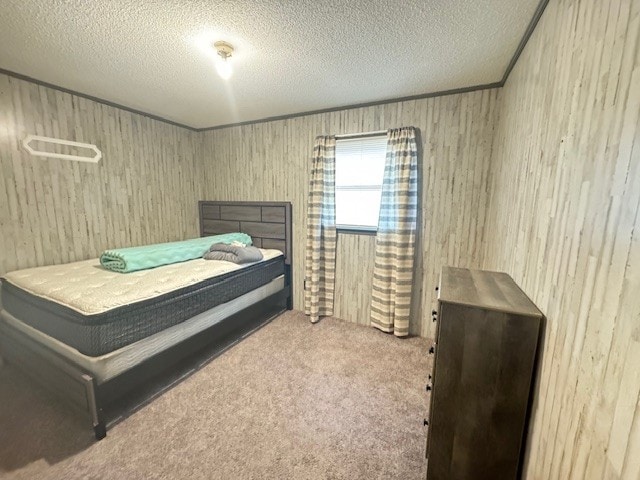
291	56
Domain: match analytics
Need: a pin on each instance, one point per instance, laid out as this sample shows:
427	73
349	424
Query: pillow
233	253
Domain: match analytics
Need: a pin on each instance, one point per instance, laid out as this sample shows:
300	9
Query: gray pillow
232	253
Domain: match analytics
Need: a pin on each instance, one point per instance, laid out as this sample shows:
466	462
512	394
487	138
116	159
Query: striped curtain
395	241
320	262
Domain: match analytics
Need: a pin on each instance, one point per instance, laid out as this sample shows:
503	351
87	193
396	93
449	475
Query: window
359	173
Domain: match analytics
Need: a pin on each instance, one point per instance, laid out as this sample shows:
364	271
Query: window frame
359	229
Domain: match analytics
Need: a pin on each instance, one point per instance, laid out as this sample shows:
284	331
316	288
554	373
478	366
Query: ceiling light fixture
223	66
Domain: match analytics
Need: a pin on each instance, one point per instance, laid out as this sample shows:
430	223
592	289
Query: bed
93	335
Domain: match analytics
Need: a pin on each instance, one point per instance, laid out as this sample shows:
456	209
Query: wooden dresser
485	356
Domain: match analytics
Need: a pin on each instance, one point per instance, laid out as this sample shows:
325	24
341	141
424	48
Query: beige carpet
292	401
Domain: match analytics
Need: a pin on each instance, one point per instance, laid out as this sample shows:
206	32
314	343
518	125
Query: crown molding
26	78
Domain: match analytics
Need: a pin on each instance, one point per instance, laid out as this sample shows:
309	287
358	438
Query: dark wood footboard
54	372
81	390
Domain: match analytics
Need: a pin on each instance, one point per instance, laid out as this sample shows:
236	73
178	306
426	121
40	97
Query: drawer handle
434	312
425	422
429	376
432	350
429	387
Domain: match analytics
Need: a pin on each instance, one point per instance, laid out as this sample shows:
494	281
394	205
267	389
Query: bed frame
270	226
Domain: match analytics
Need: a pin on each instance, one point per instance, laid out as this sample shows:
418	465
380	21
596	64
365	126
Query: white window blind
359	173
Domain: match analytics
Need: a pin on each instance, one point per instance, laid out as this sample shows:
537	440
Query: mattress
96	311
110	365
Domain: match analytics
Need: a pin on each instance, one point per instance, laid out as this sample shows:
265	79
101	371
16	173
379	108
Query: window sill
357	231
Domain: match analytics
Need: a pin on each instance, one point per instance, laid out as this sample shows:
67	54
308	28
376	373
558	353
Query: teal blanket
125	260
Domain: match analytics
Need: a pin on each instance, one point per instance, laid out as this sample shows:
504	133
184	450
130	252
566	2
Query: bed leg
100	430
289	283
99	425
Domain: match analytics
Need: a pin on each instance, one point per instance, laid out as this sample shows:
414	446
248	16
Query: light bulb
223	67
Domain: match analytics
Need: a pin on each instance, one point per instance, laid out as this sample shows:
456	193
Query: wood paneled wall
144	190
146	187
271	161
564	222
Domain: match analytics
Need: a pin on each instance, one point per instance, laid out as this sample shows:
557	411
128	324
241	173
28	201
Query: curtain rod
361	135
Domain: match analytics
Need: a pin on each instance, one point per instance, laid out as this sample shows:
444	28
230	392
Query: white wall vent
95	158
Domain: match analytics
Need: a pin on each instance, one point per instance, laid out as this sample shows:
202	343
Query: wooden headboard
268	223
